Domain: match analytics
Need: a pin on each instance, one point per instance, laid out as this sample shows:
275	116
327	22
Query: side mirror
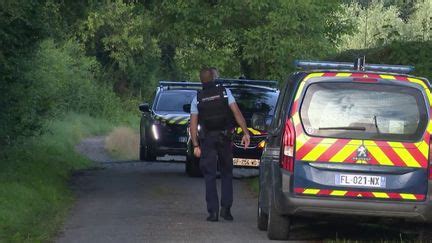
187	108
145	107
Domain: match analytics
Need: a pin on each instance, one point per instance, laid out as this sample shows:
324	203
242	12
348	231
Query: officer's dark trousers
216	146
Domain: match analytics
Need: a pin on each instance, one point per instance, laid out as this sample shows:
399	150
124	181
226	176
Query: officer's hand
245	140
197	152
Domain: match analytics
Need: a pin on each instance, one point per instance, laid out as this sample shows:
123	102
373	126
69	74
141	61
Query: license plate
360	180
246	162
182	139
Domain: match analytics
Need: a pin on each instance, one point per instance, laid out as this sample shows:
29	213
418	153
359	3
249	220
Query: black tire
262	219
278	226
147	153
192	167
425	233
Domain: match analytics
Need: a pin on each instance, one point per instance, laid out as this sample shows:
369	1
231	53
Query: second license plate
360	180
246	162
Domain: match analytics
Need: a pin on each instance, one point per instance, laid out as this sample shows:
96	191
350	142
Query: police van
347	139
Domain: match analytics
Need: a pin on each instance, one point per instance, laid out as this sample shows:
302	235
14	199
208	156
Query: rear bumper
290	204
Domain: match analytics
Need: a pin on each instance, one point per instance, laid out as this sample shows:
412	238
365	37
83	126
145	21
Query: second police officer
212	109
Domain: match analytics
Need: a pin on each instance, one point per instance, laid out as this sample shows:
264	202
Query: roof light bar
304	64
267	83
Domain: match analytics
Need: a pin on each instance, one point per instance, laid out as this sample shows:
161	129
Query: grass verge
123	143
34	195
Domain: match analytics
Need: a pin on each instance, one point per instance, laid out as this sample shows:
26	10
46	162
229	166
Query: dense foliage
60	56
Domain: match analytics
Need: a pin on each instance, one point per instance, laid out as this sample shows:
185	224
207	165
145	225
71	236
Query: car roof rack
178	84
249	82
358	65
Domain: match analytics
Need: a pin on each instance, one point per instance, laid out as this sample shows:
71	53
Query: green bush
404	53
56	79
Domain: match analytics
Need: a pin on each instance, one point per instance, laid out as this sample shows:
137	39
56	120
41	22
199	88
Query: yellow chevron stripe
406	157
343	74
421	83
379	155
311	191
429	127
299	91
183	122
380	195
338	193
319	149
346	151
300	141
408	196
254	132
313	75
423	148
387	76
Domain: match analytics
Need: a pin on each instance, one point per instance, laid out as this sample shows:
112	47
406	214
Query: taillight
430	161
288	141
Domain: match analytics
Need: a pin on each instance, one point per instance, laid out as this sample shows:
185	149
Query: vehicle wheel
425	233
278	226
262	219
192	167
146	151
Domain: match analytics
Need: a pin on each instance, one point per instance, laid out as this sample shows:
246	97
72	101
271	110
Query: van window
364	111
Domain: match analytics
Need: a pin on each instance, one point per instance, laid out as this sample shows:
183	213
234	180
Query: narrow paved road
156	202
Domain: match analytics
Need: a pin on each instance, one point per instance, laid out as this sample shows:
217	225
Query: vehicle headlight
199	127
155	132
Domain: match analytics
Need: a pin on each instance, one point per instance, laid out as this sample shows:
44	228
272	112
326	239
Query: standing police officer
211	109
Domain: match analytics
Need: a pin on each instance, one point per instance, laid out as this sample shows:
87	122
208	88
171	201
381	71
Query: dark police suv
163	124
348	140
256	100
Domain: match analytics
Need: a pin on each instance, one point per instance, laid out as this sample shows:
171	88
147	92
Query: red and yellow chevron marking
359	194
344	150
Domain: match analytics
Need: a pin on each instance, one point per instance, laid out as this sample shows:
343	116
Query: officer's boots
213	217
226	214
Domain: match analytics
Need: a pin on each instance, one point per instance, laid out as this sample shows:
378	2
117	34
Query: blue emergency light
359	65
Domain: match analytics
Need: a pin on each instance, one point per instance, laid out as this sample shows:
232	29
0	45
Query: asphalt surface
156	202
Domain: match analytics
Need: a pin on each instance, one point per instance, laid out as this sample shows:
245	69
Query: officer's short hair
206	75
215	72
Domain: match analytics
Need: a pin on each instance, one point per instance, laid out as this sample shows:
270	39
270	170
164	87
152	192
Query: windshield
251	102
364	111
173	101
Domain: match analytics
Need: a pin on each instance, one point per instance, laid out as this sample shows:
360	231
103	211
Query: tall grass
34	196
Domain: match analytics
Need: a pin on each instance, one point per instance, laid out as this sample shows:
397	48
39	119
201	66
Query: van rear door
363	138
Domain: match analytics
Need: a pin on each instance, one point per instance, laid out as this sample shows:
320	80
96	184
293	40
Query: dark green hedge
418	54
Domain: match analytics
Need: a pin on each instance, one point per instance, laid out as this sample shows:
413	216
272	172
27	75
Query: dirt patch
123	143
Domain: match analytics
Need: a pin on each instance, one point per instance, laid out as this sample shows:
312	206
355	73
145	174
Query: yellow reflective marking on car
380	194
338	193
300	89
343	74
300	141
406	156
383	76
311	191
377	153
313	75
423	148
408	196
319	149
183	122
346	151
420	82
253	131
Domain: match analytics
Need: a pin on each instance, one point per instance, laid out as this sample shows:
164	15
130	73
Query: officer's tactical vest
213	110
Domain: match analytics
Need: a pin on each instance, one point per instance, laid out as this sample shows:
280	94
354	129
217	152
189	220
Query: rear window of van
364	111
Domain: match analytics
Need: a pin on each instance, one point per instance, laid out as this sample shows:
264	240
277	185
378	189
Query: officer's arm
194	129
239	117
